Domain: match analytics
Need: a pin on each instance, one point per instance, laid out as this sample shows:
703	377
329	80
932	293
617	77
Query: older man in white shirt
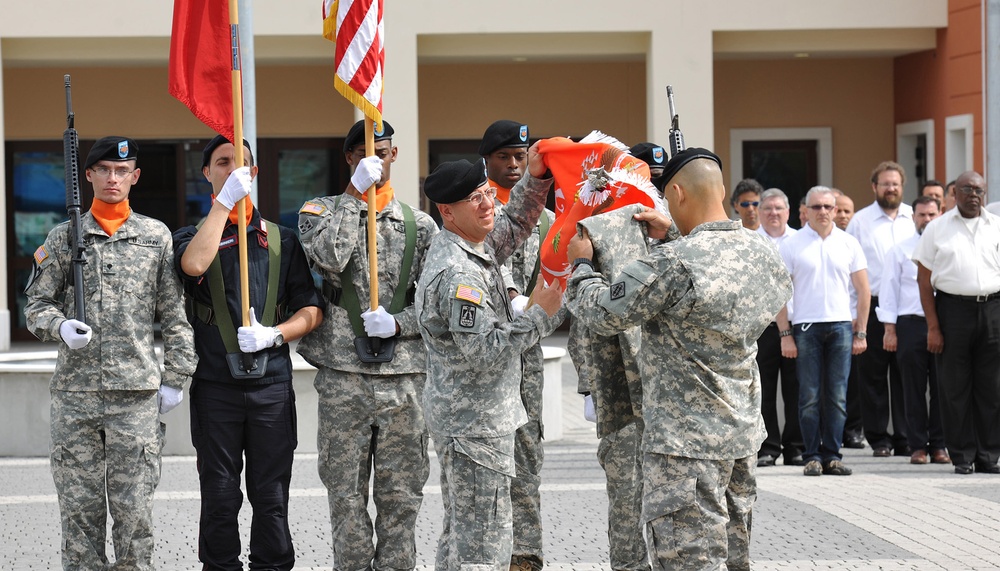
823	261
959	256
900	312
878	227
774	209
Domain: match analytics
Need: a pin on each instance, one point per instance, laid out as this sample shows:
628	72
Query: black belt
972	298
913	317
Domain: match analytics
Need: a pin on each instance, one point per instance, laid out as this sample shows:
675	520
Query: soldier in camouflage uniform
608	370
105	429
504	148
370	414
701	386
474	347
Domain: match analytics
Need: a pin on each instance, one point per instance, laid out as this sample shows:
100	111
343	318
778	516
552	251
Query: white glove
237	187
367	173
518	304
379	323
68	331
255	337
589	411
169	398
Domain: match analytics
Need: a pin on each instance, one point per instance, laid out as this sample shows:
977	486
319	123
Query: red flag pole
372	235
241	209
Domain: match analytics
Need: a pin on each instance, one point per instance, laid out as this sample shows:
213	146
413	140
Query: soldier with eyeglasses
958	273
472	399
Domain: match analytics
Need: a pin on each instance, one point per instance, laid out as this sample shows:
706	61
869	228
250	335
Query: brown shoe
940	457
919	457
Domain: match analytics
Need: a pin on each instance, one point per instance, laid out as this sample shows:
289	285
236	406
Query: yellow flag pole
241	210
372	234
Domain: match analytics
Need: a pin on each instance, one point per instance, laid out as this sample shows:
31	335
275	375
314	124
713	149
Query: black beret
503	134
112	149
650	153
677	162
454	180
356	136
215	143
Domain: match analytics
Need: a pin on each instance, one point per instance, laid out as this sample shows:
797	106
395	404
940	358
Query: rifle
676	142
71	161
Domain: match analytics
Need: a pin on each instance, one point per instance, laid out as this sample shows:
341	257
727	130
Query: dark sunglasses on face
749	203
822	206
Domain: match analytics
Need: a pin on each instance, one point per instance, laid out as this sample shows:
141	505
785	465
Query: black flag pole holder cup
375	349
247	366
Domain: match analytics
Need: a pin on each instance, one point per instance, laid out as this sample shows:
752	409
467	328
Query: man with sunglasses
818	332
746	202
108	391
472	399
958	256
879	227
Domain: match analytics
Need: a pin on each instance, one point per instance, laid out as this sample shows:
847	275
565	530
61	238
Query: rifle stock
71	162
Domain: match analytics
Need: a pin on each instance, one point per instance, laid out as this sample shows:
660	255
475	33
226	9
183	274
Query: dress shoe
940	456
963	469
901	451
856	441
988	468
836	468
813	468
919	457
796	460
882	452
765	460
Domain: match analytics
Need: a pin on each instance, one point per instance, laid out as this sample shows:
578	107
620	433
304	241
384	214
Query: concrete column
687	66
4	260
400	105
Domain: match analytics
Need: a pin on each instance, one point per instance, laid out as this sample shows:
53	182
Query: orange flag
593	176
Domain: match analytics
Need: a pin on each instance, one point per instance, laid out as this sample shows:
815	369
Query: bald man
701	390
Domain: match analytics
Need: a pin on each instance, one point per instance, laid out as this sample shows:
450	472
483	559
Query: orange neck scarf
503	194
382	196
234	213
110	217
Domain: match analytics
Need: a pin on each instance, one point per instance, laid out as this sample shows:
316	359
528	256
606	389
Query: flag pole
372	234
241	211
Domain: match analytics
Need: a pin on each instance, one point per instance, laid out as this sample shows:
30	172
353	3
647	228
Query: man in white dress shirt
878	227
900	312
959	256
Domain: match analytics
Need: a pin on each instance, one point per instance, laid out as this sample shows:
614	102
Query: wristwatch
785	333
279	338
860	334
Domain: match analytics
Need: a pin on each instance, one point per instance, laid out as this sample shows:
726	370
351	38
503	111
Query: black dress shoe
963	469
901	451
796	460
988	468
854	442
765	460
882	452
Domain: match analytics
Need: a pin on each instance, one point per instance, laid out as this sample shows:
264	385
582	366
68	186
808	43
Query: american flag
357	29
469	294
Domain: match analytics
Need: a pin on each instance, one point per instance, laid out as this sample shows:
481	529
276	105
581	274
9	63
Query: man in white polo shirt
774	210
900	312
878	227
823	262
959	256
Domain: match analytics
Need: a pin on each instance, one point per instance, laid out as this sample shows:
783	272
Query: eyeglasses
973	190
477	198
770	209
106	172
749	203
889	185
822	206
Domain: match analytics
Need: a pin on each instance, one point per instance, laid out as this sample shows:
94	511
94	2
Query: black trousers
229	421
969	369
879	395
918	373
854	425
771	364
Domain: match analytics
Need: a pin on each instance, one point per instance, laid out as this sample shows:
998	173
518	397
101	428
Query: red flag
593	176
357	29
202	61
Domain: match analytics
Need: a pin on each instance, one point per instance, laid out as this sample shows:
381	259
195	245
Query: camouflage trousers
697	512
475	491
105	455
369	425
528	457
620	454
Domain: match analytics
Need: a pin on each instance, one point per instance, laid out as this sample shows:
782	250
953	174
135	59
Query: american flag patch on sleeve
40	254
312	208
469	294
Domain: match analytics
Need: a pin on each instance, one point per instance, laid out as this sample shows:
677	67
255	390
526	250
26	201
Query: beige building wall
852	96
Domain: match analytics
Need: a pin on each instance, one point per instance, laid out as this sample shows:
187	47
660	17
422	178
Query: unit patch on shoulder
41	254
618	290
311	207
468	316
469	293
